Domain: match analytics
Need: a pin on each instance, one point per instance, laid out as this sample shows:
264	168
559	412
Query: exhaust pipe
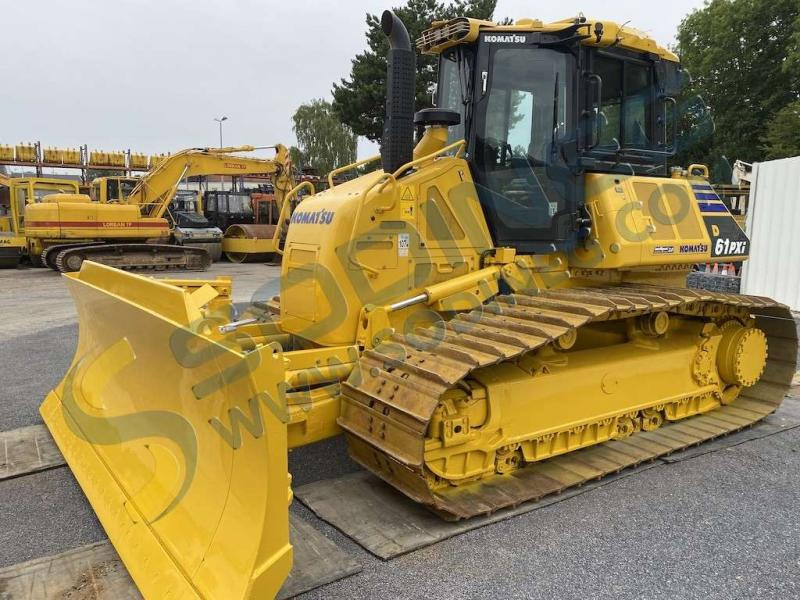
398	128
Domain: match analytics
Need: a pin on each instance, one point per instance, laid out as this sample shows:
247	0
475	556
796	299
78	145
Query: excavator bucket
177	439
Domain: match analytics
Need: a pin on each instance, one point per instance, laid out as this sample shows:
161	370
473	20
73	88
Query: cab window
625	119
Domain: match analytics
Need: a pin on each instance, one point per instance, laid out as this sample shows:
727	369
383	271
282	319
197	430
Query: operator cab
538	109
112	189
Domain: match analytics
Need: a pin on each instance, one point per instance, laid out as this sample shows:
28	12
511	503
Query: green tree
298	160
738	53
360	100
324	142
783	133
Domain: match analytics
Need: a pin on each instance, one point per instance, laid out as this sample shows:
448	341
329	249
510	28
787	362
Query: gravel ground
722	525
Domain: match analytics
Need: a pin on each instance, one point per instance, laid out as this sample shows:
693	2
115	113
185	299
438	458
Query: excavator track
50	254
134	257
388	404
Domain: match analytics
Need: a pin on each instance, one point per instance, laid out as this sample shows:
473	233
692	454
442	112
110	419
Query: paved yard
722	525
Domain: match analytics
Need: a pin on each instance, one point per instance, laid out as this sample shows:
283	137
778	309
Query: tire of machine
237	257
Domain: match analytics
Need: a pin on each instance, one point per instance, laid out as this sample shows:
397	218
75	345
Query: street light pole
220	128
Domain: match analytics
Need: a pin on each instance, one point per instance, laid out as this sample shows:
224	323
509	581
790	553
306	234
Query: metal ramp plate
95	572
27	450
388	524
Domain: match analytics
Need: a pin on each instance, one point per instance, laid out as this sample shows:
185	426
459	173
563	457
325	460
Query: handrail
698	166
349	167
460	144
287	200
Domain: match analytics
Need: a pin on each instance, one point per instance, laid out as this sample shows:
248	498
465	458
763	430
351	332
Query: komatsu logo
509	38
319	217
694	248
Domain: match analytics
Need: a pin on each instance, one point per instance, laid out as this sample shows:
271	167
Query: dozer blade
151	418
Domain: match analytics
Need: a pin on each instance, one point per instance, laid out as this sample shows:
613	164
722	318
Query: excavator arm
157	189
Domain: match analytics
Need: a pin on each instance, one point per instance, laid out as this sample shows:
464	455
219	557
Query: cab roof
591	32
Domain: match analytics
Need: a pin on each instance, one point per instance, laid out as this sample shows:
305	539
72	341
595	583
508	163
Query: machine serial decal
664	250
403	243
319	217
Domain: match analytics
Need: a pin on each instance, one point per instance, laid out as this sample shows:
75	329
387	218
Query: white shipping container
773	226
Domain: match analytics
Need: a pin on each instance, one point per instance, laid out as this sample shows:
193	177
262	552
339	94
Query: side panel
376	241
650	221
81	220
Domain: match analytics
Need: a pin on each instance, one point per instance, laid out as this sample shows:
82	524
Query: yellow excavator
187	224
506	291
139	232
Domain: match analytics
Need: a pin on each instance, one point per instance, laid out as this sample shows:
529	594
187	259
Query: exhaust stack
398	128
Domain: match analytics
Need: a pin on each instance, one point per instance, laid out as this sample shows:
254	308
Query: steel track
387	408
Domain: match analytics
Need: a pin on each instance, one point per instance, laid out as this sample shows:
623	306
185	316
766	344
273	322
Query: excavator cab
112	189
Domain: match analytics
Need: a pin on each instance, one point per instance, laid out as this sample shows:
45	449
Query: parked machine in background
256	225
136	231
12	238
251	221
190	226
187	224
15	194
224	208
509	290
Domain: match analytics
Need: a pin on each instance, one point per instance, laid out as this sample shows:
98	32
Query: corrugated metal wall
773	225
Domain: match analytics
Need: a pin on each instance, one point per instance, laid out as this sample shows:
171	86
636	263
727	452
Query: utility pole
220	120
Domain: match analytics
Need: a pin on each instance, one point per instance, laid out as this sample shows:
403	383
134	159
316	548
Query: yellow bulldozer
128	223
506	291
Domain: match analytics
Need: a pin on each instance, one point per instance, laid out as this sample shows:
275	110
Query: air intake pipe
398	128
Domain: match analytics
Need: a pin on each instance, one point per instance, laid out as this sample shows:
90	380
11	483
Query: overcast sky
151	75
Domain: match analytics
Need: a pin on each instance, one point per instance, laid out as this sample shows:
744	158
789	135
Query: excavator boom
155	191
